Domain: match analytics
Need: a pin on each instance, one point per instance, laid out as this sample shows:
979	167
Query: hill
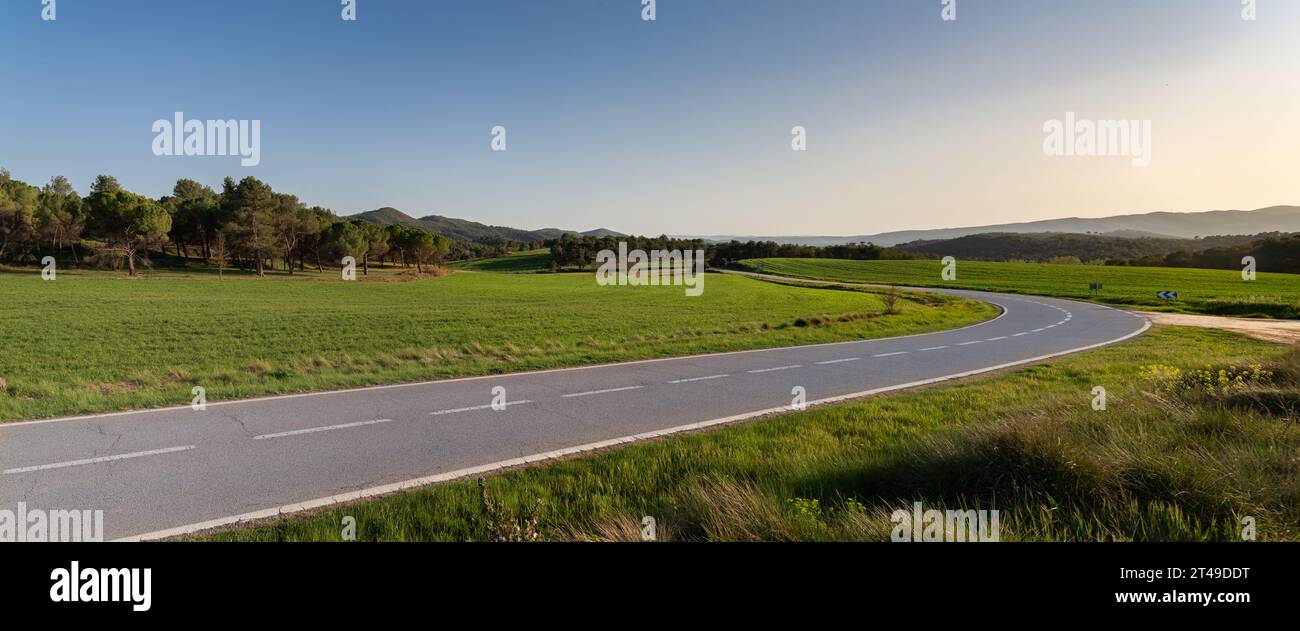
1157	224
466	230
1007	246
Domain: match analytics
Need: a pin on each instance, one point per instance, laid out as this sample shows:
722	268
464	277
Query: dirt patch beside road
1283	331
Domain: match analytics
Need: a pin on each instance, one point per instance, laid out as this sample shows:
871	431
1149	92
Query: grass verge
527	262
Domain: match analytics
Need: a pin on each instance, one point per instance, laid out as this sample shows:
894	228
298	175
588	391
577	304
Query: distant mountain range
1047	246
466	230
1158	224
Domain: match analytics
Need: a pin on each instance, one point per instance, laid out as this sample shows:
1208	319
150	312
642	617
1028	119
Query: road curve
165	472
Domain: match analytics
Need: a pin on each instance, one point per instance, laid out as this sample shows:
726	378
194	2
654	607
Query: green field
96	341
528	262
1174	458
1217	292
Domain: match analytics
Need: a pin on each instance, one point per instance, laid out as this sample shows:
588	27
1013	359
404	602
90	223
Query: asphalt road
165	472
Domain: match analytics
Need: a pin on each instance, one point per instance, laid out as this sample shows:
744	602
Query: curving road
166	472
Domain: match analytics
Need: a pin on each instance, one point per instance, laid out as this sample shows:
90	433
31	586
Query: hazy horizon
680	125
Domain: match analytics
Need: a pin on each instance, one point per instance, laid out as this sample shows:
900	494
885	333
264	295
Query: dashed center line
691	379
313	430
74	463
838	361
890	354
935	348
477	407
994	339
969	343
1021	333
591	392
775	369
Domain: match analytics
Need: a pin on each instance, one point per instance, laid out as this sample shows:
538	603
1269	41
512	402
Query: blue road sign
1167	295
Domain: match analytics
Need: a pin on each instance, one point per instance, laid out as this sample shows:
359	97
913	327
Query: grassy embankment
97	341
1175	456
1216	292
528	262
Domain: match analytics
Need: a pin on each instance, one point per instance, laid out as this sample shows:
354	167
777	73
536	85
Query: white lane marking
394	487
890	354
994	339
1050	326
313	430
934	348
838	361
969	343
691	379
607	390
754	372
1038	330
477	407
74	463
1021	333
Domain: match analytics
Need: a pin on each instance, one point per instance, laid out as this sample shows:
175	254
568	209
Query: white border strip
569	451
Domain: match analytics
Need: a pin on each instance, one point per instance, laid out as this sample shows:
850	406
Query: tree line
572	251
1047	247
1275	252
247	224
1279	253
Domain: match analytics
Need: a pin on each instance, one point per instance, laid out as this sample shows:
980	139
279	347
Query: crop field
1216	292
94	341
1179	454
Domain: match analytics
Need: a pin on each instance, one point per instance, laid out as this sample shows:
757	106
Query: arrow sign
1167	295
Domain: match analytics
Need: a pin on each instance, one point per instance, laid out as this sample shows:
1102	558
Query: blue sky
681	125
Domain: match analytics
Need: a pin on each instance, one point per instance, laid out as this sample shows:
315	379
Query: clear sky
679	126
